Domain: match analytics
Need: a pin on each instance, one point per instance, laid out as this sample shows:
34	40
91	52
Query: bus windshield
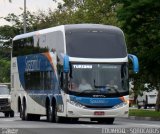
99	79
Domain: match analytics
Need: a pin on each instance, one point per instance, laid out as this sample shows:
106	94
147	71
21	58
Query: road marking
150	125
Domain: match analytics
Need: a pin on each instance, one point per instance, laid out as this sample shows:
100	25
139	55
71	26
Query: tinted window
42	80
26	46
95	44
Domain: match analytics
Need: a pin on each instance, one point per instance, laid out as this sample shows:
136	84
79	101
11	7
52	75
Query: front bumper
74	111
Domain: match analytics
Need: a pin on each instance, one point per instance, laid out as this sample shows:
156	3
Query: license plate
99	113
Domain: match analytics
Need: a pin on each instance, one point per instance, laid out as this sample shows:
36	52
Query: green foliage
141	22
4	70
144	113
89	11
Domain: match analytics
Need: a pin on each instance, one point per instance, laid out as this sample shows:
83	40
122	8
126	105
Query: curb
144	118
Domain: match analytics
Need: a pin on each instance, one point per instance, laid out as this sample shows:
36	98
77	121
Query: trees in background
140	20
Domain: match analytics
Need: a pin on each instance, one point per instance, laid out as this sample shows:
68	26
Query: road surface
83	126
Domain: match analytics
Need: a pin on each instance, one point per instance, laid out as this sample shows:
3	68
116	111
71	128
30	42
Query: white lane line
150	125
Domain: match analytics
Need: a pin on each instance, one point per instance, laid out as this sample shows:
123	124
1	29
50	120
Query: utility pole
24	17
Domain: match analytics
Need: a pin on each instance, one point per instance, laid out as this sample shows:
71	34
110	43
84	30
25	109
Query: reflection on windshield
4	90
99	78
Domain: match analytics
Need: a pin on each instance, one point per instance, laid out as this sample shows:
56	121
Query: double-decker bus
70	72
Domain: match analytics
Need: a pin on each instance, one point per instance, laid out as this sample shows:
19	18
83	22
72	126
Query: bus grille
3	102
107	107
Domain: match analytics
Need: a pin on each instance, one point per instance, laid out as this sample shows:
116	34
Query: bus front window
99	79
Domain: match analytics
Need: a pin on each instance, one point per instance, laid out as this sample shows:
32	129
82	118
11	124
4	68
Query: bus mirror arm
135	62
66	64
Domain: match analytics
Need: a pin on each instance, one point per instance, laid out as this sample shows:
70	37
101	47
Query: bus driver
84	85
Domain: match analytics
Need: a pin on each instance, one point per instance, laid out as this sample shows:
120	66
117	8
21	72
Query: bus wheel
21	112
24	114
57	119
50	116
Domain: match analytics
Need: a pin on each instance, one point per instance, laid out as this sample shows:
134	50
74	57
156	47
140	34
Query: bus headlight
120	105
77	104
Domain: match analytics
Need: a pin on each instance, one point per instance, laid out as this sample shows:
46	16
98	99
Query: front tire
56	118
11	113
24	114
50	114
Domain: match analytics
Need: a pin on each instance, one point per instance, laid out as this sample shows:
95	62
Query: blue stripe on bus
35	63
32	63
108	102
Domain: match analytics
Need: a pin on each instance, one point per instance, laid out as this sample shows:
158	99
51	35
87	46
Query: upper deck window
26	46
95	43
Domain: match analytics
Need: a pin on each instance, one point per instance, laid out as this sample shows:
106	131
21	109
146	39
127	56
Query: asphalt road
84	126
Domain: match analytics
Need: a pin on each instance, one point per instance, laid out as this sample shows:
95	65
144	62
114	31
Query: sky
17	5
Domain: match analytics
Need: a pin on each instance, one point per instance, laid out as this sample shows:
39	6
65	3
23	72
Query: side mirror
66	64
135	62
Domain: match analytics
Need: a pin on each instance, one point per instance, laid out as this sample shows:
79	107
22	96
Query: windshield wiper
107	86
112	87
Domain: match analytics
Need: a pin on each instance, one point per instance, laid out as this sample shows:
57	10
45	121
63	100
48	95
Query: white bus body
45	63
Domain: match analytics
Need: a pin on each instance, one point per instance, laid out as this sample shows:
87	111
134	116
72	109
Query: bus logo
99	96
93	101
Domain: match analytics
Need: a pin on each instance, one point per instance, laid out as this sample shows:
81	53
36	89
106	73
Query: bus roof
38	32
68	27
92	26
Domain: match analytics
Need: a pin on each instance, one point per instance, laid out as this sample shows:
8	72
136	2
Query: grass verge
144	113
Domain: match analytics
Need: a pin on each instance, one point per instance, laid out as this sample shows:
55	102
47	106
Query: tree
141	22
89	11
